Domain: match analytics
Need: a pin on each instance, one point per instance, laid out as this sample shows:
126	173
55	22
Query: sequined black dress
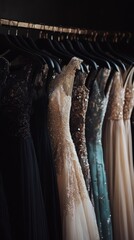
18	161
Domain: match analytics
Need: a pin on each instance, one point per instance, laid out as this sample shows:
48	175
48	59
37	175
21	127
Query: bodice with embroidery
116	98
80	98
97	107
16	100
129	97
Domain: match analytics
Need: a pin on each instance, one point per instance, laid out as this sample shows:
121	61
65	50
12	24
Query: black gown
18	163
39	130
5	230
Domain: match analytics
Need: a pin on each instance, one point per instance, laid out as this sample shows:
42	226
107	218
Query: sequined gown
80	96
117	163
18	161
127	111
94	121
77	213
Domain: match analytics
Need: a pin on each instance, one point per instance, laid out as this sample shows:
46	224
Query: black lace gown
18	163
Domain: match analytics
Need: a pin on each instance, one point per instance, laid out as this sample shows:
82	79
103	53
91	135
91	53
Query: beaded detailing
97	107
116	98
80	98
16	101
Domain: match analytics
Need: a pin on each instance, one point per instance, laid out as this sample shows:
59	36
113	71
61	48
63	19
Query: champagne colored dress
77	213
117	163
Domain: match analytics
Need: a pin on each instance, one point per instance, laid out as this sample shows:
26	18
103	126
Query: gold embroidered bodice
116	98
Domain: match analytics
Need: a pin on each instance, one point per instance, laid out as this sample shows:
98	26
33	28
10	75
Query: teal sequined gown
94	121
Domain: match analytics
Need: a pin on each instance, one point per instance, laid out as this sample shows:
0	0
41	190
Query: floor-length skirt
119	181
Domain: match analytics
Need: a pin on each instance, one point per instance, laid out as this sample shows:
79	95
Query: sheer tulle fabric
117	164
128	136
78	215
119	182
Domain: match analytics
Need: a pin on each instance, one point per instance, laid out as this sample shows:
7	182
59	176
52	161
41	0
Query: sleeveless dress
18	163
94	121
80	96
127	111
77	213
117	164
39	130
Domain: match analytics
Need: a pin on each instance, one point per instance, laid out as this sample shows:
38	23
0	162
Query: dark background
91	14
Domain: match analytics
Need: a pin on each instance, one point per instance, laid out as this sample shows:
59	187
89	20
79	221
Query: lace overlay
80	98
74	192
16	101
117	152
64	78
65	157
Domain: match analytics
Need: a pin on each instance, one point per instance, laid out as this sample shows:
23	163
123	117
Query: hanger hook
96	34
62	35
27	32
9	29
16	31
41	32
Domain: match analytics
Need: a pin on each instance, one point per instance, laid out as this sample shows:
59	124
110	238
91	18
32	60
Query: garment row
66	169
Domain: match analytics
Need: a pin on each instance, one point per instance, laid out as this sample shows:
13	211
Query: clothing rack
59	29
42	27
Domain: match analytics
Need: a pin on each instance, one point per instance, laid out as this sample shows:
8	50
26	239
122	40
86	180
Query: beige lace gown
77	212
117	163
